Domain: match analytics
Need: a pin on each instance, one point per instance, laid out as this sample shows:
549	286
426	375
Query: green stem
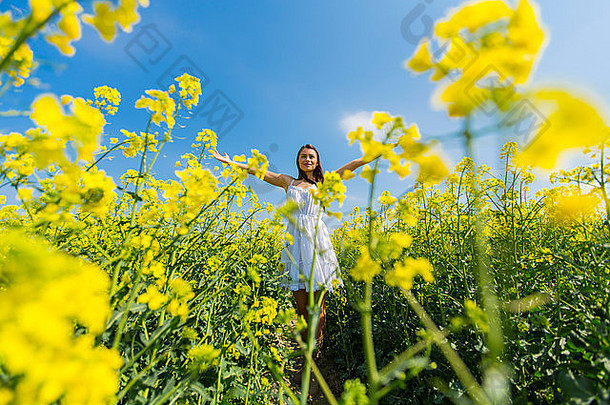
280	379
491	305
250	374
366	309
133	380
318	374
160	332
132	297
399	363
220	368
27	33
312	323
461	370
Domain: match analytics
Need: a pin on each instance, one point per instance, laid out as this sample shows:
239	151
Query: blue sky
291	73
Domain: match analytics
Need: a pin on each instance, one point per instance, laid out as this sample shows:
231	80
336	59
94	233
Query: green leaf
581	390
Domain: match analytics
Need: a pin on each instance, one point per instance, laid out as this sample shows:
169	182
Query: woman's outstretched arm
353	165
275	179
356	163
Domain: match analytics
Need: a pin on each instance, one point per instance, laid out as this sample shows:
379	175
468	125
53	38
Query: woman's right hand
219	157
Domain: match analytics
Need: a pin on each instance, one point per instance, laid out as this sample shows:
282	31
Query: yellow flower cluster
366	268
65	183
198	188
431	167
83	128
22	59
153	298
92	190
43	295
106	17
387	199
401	239
491	50
18	164
107	98
287	210
403	273
258	164
177	296
486	40
96	191
67	16
181	292
477	316
208	138
135	143
202	357
332	189
576	206
190	90
570	122
69	24
154	268
261	312
161	104
253	263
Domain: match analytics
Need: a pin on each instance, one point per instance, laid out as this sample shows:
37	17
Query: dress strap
291	182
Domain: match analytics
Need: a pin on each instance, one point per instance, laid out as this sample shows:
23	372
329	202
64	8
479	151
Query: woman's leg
301	298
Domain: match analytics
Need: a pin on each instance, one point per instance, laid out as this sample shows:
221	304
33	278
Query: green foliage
551	277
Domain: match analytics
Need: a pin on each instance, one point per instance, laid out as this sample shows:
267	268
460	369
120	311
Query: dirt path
326	364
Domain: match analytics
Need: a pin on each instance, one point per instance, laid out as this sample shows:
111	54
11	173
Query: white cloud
351	122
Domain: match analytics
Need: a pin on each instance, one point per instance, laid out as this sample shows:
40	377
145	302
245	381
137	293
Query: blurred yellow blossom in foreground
570	122
365	268
576	206
483	40
43	296
402	274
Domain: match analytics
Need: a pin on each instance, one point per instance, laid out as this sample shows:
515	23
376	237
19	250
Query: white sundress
303	230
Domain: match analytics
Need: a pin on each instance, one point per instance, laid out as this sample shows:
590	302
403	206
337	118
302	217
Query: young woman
299	256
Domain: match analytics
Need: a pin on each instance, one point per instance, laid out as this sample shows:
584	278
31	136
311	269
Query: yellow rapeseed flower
83	127
190	89
42	295
569	122
482	41
368	173
380	118
432	169
366	268
402	274
386	198
153	298
347	174
202	357
523	28
421	60
107	17
575	207
258	163
161	105
402	239
69	25
332	189
21	61
107	98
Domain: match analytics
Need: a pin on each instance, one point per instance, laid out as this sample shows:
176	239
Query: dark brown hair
318	173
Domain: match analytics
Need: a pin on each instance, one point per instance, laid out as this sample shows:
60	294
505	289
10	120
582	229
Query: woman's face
308	160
